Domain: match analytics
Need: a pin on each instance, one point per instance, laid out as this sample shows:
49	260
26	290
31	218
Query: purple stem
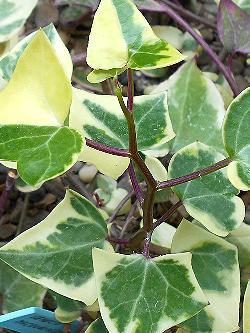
197	174
107	149
168	214
135	184
225	71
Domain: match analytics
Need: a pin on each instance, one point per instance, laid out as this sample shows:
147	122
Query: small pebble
87	173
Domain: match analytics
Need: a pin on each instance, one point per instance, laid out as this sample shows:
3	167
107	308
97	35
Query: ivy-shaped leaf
233	25
237	140
196	108
17	291
8	63
57	252
31	124
246	310
121	37
210	199
13	14
100	118
141	295
67	309
215	264
97	326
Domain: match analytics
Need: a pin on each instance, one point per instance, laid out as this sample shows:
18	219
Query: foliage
49	125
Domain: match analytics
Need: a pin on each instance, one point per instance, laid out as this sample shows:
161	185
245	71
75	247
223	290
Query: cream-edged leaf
17	291
196	108
210	199
121	36
13	14
97	326
237	140
41	152
141	295
108	164
246	310
215	264
100	118
56	253
8	63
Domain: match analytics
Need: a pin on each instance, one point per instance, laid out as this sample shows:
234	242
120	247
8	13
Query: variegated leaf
8	63
67	309
141	295
196	108
40	151
215	264
13	14
237	140
246	310
100	118
210	199
97	326
241	238
121	37
57	252
17	291
31	123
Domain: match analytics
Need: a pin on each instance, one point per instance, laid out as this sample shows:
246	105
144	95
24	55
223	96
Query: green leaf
67	309
8	63
121	36
196	108
17	291
215	264
100	75
237	140
42	152
246	310
100	118
97	326
241	238
141	295
210	199
13	14
57	252
31	123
